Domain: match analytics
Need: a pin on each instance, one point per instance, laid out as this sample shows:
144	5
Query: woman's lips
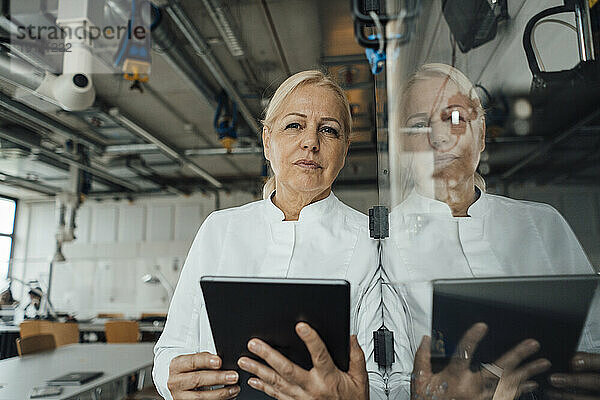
444	159
308	164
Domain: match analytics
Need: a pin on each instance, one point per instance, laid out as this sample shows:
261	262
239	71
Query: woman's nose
439	137
310	140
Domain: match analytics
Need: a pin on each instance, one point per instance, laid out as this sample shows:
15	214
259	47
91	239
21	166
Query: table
9	333
95	327
19	375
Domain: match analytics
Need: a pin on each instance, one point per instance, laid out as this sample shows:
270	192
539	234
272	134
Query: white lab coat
501	237
329	240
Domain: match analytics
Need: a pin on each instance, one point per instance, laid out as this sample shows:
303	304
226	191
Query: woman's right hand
192	375
457	381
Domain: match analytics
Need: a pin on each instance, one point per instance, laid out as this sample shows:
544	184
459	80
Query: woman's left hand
284	380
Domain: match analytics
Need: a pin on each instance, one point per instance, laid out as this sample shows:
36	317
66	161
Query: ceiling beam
34	186
95	170
164	147
28	113
203	50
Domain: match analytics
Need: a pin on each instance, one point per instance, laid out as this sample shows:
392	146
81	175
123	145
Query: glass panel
7	216
489	103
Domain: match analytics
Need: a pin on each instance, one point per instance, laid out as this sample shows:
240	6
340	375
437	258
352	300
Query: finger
553	395
258	384
527	387
576	381
317	349
357	367
532	369
228	392
461	360
422	363
194	362
513	382
284	367
268	376
515	356
586	362
198	379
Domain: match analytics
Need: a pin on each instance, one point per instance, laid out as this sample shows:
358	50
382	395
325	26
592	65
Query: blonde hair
291	84
435	70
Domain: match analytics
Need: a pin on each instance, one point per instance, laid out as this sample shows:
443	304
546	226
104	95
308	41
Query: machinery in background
69	200
134	54
225	121
558	100
474	22
371	14
79	38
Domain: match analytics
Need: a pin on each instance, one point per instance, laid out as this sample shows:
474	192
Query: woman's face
306	145
445	123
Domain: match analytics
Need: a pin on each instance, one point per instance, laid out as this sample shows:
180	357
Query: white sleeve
181	334
564	251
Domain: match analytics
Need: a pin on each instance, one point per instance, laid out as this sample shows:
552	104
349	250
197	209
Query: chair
110	315
35	344
34	327
147	316
148	393
122	331
64	332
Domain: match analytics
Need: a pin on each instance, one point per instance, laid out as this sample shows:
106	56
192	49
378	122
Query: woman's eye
329	130
293	125
419	124
454	116
416	128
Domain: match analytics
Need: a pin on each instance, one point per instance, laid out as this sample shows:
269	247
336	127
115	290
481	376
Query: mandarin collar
416	203
480	207
310	212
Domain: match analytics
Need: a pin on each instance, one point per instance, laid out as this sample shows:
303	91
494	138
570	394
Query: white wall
117	243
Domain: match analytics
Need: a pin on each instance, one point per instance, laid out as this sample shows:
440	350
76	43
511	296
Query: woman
299	230
446	225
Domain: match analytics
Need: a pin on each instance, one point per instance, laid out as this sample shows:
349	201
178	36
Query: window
8	209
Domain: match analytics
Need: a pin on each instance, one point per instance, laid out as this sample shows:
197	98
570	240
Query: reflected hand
284	380
192	375
457	381
583	383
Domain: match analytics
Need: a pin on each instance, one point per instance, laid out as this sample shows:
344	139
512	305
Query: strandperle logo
84	31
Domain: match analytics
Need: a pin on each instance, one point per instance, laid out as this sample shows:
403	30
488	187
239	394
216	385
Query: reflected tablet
550	309
269	309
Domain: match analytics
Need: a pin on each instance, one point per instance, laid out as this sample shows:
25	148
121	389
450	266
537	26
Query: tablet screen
551	310
269	309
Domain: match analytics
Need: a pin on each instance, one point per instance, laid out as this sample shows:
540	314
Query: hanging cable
380	32
533	42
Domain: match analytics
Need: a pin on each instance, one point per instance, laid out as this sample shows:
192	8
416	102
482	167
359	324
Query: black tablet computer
550	309
240	309
74	378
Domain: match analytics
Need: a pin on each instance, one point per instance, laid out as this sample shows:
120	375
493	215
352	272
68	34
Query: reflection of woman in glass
446	225
446	127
